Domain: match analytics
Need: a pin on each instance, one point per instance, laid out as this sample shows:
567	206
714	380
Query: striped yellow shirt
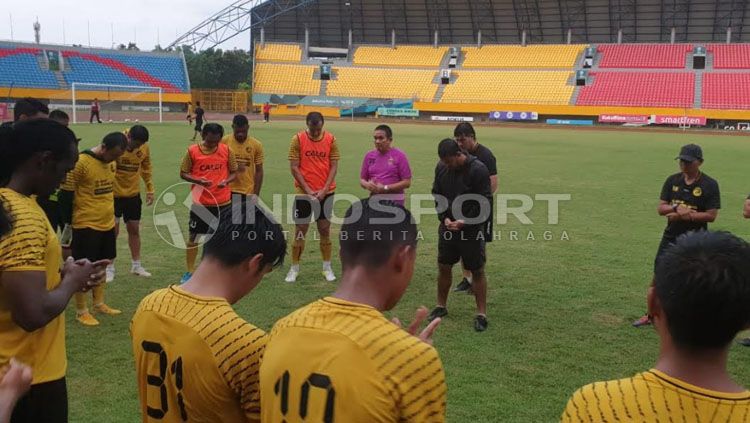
196	360
31	246
337	361
94	202
653	396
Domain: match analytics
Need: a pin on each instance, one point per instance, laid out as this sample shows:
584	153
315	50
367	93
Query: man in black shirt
199	112
463	181
689	200
467	140
746	213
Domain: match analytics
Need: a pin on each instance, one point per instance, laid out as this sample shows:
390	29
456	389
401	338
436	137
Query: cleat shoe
480	323
744	341
464	286
328	274
105	309
87	319
437	312
140	271
110	274
291	277
643	321
185	277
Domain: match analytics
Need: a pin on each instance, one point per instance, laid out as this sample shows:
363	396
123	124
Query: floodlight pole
75	120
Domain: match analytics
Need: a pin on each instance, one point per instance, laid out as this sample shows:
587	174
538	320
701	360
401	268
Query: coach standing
467	140
460	178
689	200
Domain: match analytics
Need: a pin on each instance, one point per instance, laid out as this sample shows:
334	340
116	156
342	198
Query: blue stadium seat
22	70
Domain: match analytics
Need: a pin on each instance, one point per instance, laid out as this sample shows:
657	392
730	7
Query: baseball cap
690	153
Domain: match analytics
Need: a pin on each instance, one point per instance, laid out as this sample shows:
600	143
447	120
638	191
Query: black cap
690	153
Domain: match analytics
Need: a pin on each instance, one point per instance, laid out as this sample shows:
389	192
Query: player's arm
493	183
398	186
233	167
492	168
24	280
746	209
442	214
294	158
334	157
147	175
258	177
331	176
665	199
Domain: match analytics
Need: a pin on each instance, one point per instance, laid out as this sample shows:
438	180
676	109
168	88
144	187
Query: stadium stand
520	87
730	56
272	78
273	52
25	67
19	67
369	82
726	91
112	69
537	56
414	56
644	56
639	89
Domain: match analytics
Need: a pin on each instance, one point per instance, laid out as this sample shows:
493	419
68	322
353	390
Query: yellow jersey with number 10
338	361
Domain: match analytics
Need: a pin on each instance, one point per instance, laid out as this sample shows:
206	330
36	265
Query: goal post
110	95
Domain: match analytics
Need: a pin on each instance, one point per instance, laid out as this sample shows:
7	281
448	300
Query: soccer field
559	309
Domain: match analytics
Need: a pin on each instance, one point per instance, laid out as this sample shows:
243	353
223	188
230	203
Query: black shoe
464	286
437	312
480	323
744	341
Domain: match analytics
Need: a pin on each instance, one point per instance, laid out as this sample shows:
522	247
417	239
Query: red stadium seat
730	56
649	56
639	89
726	91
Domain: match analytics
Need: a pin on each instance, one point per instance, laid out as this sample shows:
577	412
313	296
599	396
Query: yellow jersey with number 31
338	361
196	360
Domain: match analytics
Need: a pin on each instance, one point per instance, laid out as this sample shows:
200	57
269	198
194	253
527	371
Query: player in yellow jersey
249	154
94	214
134	164
698	303
339	359
34	157
64	195
196	359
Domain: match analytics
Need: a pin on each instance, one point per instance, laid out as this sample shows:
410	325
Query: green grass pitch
559	309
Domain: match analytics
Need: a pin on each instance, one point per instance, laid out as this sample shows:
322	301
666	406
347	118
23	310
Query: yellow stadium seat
272	78
279	53
414	56
536	56
383	83
513	87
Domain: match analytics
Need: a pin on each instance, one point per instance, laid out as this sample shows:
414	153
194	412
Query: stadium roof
502	21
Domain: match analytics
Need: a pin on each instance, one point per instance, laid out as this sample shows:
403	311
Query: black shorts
198	125
52	211
93	245
65	206
129	208
452	247
45	402
205	219
665	243
307	208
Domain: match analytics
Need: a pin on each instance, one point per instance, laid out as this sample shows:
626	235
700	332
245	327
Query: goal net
117	103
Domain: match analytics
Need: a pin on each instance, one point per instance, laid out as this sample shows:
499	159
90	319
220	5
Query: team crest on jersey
248	150
697	192
675	188
390	161
139	154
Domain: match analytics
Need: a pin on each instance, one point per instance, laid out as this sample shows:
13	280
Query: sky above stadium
108	22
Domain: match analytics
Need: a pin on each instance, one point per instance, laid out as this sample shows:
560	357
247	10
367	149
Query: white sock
136	263
327	265
111	267
468	278
295	267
